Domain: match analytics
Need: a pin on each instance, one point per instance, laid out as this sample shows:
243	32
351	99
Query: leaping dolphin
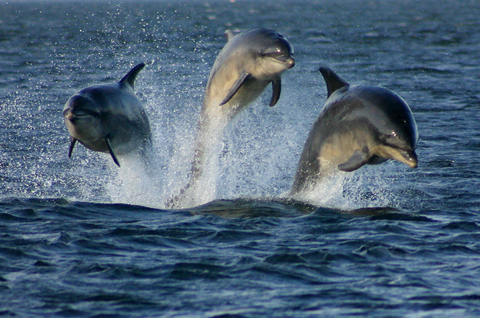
247	64
109	118
358	125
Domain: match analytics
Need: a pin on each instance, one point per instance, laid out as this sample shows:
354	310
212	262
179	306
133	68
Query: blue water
82	237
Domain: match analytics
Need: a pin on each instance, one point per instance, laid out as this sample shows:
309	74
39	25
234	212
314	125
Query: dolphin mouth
68	114
73	114
409	158
284	58
291	61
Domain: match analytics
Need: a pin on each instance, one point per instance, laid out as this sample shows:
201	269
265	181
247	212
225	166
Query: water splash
363	188
136	183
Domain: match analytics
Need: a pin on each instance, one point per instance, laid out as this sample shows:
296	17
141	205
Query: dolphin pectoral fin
276	90
72	145
358	159
332	80
236	86
110	150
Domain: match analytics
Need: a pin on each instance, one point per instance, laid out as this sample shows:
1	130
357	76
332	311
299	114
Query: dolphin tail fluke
276	90
132	75
236	86
72	145
332	80
110	150
358	159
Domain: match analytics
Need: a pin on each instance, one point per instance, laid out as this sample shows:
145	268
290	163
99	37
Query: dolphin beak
410	158
283	58
288	59
291	61
68	114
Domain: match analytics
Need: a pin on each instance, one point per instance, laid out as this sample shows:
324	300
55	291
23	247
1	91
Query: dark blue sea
81	237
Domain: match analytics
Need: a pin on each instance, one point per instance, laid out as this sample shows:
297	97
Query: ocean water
81	237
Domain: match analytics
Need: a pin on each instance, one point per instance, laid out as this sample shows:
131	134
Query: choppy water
81	237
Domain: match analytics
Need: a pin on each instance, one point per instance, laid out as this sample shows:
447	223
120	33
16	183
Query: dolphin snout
286	58
411	159
291	61
68	114
408	157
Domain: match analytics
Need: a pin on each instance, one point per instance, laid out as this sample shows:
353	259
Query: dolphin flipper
332	80
132	75
236	86
276	89
358	159
110	150
72	145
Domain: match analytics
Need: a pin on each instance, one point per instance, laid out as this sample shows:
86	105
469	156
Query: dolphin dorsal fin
132	75
229	35
332	80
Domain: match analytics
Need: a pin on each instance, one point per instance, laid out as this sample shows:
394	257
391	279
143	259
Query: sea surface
81	237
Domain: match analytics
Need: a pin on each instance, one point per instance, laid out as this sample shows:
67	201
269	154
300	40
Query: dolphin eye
79	113
276	54
281	57
272	51
84	113
391	139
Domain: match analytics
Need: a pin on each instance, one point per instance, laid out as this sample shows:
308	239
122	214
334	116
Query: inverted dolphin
108	118
358	125
247	64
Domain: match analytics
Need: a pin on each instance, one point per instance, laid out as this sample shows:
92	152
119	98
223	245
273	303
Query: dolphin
358	125
108	118
246	65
